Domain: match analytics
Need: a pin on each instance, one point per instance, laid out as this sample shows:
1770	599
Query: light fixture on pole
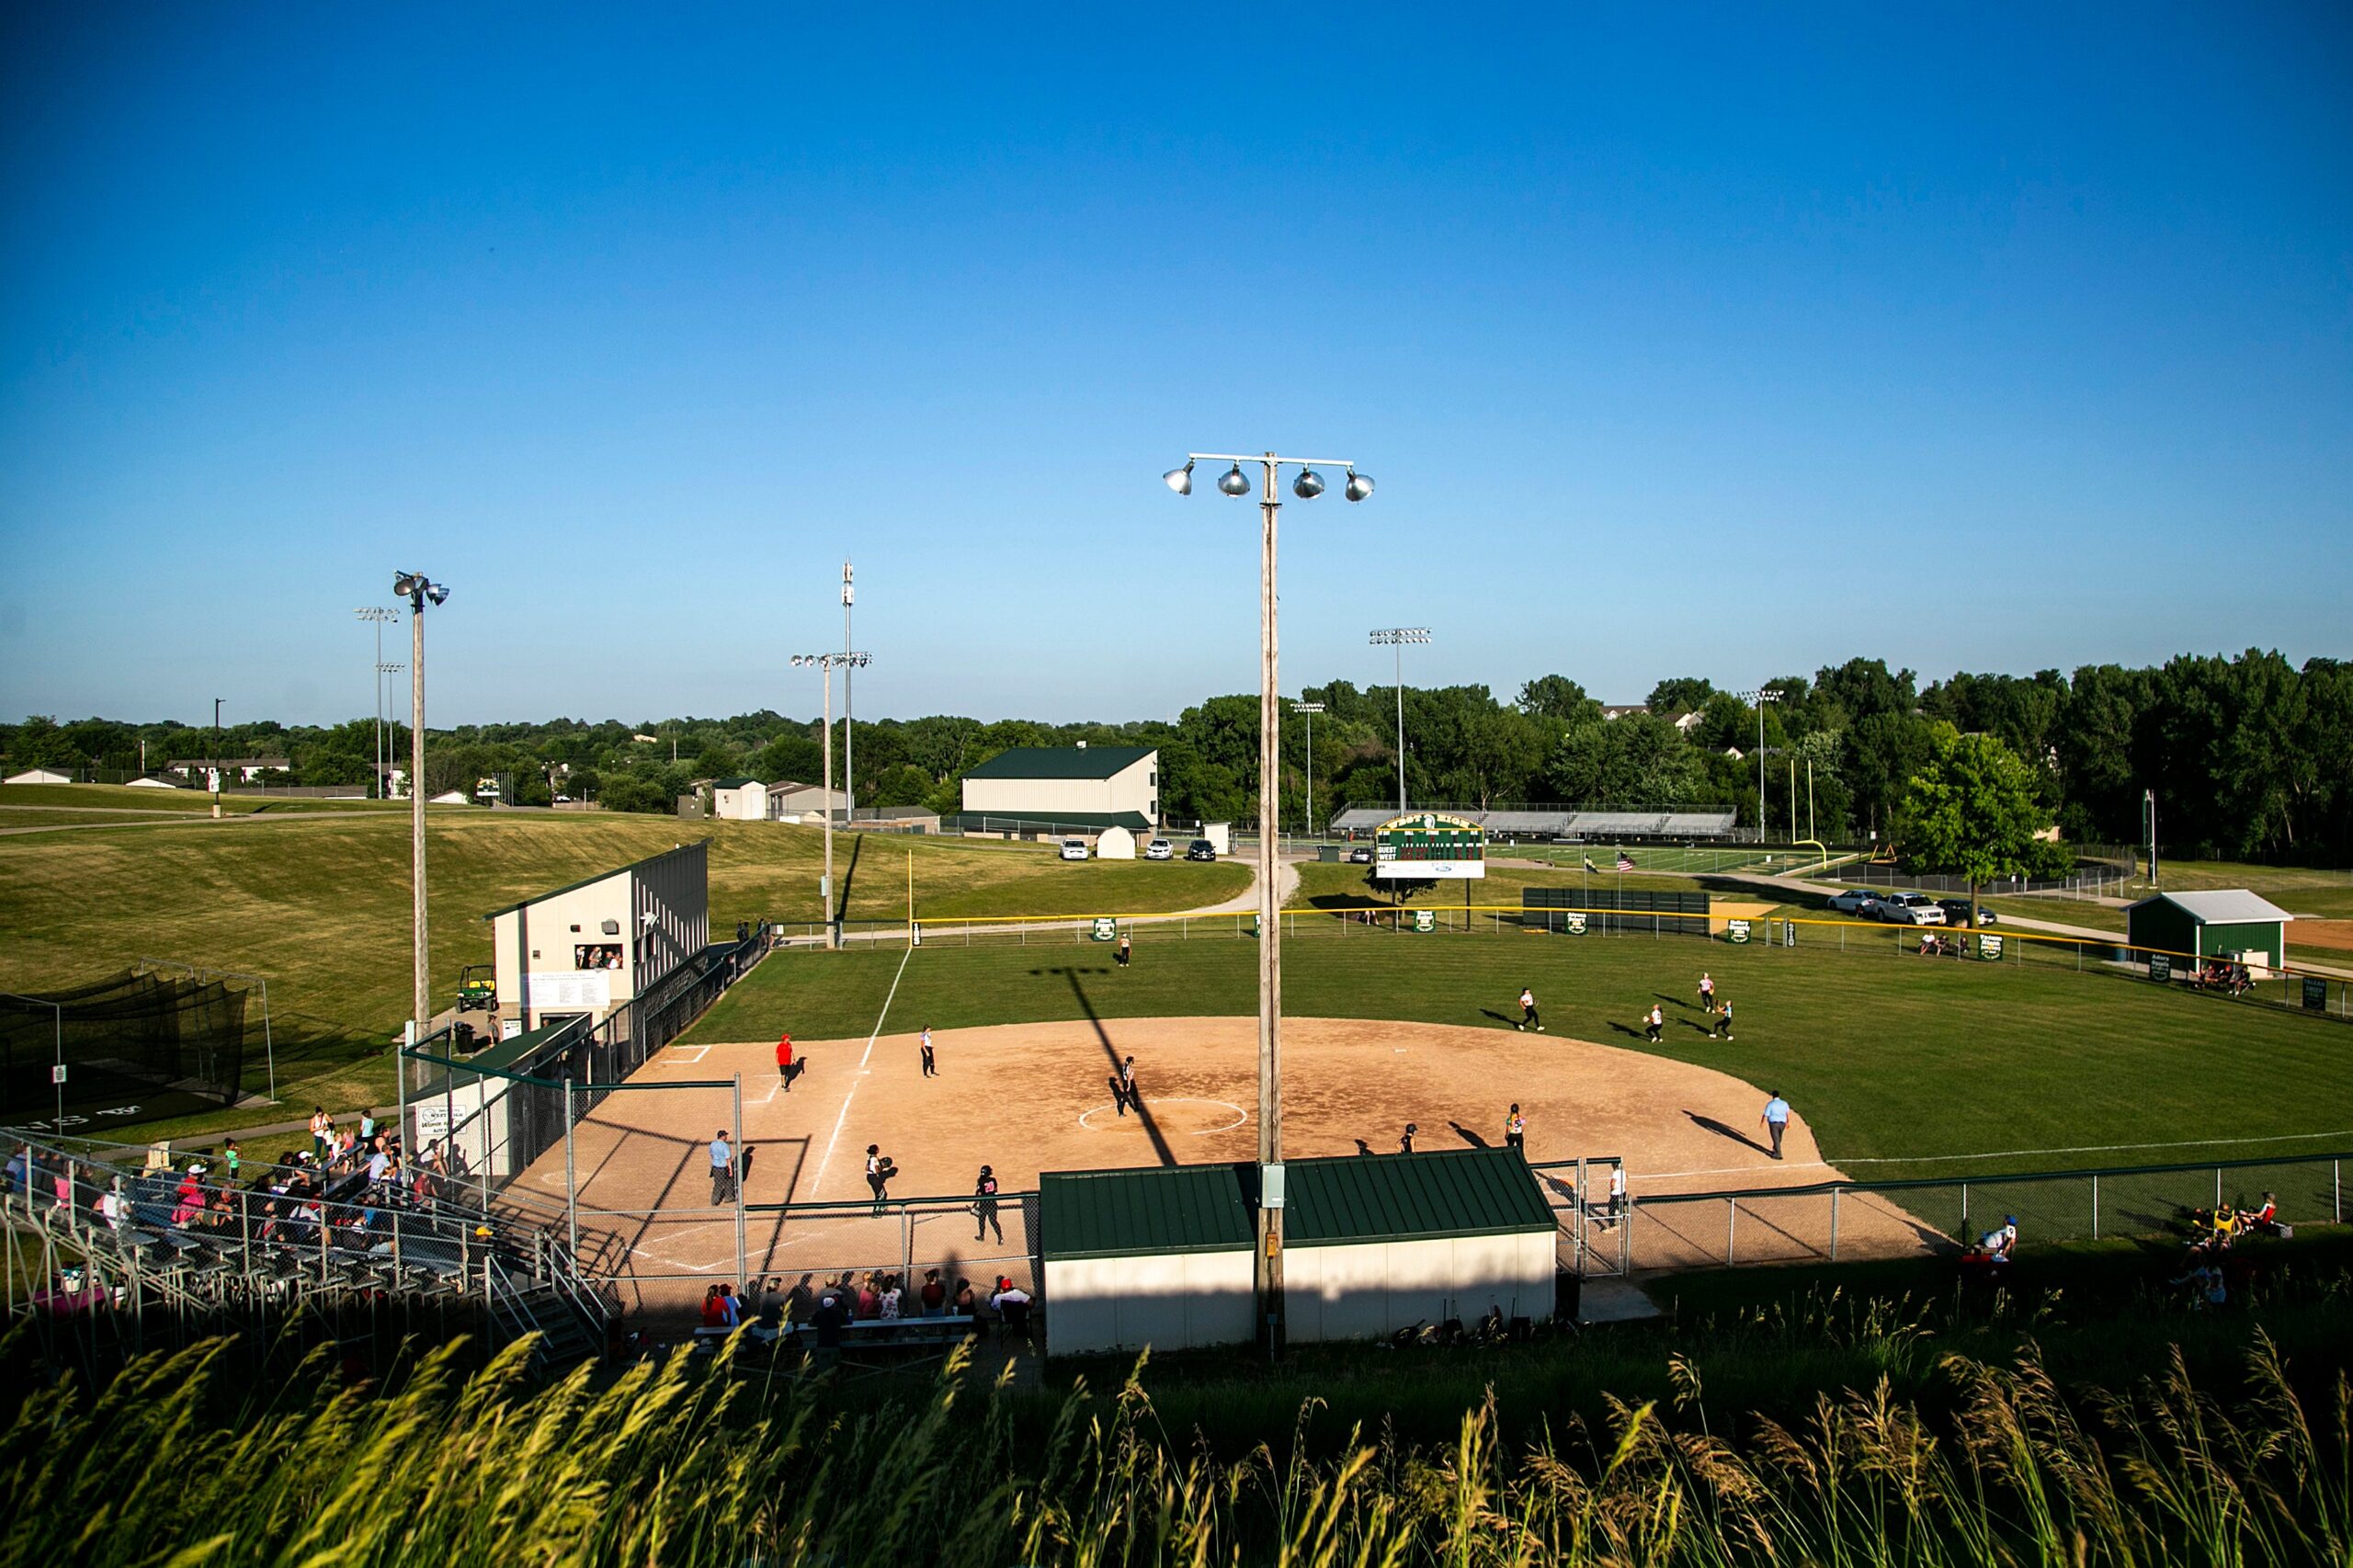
419	591
379	615
1760	697
1310	709
1397	637
1306	485
846	661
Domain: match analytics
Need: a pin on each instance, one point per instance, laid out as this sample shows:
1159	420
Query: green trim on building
1061	762
1407	1198
1144	1213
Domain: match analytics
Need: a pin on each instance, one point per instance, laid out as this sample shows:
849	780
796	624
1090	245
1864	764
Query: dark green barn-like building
2211	924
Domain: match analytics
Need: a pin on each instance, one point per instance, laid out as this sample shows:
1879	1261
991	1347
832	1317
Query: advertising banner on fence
2160	967
2315	993
1736	930
1989	947
1425	920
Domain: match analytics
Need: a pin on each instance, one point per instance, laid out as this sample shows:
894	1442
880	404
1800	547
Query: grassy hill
319	903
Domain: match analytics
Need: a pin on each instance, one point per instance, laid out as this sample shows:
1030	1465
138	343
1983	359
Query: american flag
1625	862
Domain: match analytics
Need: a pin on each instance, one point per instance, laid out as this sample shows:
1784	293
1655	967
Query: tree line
2249	757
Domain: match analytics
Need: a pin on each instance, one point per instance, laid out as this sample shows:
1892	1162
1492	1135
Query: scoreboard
1428	845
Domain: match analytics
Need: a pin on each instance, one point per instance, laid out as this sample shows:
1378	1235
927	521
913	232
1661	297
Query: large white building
1067	786
589	948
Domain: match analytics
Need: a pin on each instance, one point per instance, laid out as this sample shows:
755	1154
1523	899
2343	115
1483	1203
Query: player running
1723	1021
1653	1024
1707	992
1528	1019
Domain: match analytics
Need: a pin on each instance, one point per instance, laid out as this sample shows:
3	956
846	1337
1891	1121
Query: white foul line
817	1184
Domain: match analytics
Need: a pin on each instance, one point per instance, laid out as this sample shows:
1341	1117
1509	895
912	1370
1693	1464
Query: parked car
1956	912
1159	849
1854	900
1074	849
1200	849
1360	856
1908	909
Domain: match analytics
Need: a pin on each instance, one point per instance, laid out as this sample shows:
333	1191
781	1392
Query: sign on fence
1989	947
1105	929
2160	967
1425	920
1575	923
1789	933
2315	993
1736	930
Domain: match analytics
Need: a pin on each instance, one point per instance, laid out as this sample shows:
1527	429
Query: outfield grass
1323	886
2300	890
1887	1058
319	905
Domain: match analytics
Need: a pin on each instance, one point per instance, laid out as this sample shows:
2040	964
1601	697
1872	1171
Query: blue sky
1709	342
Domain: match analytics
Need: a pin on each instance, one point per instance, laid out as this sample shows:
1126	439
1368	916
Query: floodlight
438	593
1308	485
1180	480
1359	486
1232	483
405	583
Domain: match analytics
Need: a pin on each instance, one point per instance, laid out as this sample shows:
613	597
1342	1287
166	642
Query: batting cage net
134	1047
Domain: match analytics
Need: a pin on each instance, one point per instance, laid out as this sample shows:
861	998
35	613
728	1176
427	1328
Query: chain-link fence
1830	1220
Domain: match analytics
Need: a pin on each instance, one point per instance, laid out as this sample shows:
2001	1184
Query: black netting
135	1046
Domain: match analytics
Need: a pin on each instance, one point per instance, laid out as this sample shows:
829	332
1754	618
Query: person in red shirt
784	1061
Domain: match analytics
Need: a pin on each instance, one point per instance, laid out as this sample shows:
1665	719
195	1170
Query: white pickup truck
1907	909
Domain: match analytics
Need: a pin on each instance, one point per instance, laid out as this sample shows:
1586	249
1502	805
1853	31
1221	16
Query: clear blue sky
1724	344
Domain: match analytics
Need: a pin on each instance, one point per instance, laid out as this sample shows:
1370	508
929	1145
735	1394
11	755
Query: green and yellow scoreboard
1429	845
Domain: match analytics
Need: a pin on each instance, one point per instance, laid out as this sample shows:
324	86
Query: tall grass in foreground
688	1465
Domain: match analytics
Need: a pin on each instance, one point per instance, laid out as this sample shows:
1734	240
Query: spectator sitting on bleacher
934	1294
891	1300
869	1300
713	1314
967	1305
2264	1219
1011	1304
190	1200
20	1170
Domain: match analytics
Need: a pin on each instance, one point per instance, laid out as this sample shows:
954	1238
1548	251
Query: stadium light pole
418	590
1307	484
1310	709
216	758
849	709
1396	637
379	615
846	661
384	758
1760	697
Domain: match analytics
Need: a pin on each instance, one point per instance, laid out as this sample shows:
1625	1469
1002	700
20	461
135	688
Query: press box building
590	946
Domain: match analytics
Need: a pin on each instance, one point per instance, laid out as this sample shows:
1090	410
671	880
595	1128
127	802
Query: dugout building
1162	1256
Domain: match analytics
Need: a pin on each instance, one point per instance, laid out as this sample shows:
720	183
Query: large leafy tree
1972	812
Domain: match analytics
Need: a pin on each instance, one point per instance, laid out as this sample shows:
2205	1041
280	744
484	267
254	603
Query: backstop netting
134	1046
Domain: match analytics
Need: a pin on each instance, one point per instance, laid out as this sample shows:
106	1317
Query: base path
1031	1097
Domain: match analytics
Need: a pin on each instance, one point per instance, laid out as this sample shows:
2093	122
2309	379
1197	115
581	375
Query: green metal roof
1059	762
1147	1211
1397	1197
700	845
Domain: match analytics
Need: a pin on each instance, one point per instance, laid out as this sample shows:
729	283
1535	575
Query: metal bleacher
159	1264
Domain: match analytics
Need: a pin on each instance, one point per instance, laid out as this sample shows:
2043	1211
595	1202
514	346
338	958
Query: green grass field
1323	886
319	904
1673	859
1890	1058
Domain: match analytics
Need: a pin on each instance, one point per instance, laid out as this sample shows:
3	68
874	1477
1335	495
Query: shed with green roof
1156	1256
1380	1243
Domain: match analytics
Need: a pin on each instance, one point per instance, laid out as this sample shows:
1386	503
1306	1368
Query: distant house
154	781
450	798
1619	710
789	800
39	775
1063	787
244	768
1687	722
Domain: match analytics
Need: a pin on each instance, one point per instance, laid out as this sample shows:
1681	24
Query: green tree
1972	812
1677	695
1558	697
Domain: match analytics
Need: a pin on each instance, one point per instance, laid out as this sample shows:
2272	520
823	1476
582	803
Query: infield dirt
1031	1097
